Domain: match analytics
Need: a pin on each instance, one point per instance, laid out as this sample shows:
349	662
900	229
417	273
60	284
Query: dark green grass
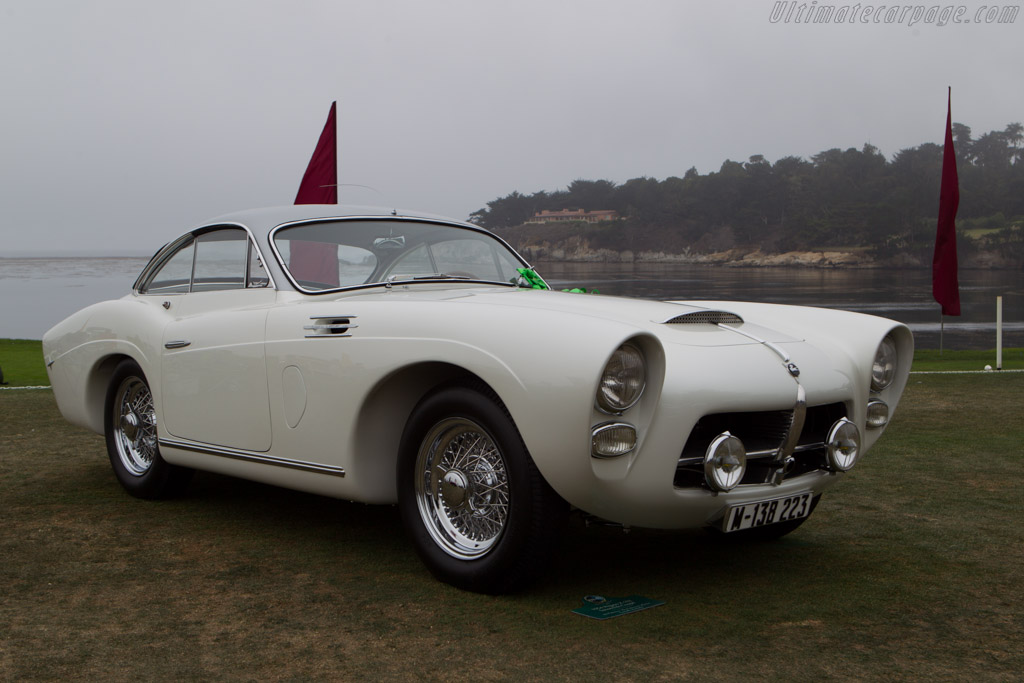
932	360
22	363
910	568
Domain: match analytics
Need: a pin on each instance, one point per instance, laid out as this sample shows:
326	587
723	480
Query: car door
213	371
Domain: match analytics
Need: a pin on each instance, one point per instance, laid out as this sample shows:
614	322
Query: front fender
80	353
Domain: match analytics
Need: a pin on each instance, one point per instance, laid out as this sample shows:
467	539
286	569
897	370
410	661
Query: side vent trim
329	326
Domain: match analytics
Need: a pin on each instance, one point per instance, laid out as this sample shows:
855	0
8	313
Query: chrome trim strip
795	482
330	326
756	455
335	326
253	457
159	258
781	354
770	453
797	426
339	316
161	255
387	284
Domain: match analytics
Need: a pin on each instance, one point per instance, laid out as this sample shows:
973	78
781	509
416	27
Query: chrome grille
763	434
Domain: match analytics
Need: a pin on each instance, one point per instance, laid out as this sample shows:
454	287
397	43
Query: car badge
793	369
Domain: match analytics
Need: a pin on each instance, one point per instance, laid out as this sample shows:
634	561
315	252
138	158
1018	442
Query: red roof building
573	215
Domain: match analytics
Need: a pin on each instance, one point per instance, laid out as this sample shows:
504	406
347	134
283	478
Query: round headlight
725	462
883	369
622	381
843	445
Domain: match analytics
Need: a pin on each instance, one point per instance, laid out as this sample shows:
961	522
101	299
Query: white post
999	333
942	329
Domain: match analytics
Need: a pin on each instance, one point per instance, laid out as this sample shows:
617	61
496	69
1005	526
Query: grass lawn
932	360
21	361
910	568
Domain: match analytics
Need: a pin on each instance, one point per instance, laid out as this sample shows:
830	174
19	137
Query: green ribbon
530	277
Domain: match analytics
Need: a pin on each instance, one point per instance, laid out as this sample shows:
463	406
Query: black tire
131	433
767	533
479	513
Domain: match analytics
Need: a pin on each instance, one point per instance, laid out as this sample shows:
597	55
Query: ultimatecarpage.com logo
797	12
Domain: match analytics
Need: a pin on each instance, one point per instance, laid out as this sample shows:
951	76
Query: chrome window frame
387	283
167	251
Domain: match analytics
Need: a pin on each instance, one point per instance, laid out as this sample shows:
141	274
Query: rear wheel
131	433
480	515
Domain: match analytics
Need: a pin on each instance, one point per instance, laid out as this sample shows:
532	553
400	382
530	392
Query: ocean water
36	293
904	295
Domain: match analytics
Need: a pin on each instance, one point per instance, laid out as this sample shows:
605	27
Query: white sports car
390	357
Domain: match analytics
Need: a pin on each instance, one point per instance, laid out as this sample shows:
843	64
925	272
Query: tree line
837	198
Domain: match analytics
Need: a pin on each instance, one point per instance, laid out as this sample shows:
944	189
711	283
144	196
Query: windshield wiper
442	276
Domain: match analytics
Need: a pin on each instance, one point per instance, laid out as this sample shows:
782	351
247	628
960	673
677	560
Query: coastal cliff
579	250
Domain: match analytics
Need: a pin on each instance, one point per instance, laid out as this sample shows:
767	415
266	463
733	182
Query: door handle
179	344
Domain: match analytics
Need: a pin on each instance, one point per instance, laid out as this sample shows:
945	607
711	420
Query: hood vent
330	326
705	318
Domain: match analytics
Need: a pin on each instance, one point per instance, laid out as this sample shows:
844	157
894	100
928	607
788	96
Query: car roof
260	221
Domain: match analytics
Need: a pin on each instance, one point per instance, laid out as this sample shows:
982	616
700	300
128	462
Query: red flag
318	261
945	287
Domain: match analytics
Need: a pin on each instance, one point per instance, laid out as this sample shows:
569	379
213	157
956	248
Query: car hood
652	316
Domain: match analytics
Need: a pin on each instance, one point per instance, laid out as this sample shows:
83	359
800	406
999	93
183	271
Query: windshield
349	253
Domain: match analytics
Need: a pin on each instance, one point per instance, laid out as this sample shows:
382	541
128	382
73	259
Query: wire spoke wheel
134	426
478	511
462	488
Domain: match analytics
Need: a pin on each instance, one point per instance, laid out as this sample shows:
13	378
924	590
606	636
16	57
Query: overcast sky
125	123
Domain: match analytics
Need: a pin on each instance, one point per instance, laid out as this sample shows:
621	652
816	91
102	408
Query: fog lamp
612	440
725	462
843	445
878	413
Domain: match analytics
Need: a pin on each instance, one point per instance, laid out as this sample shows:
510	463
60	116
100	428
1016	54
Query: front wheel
480	515
132	437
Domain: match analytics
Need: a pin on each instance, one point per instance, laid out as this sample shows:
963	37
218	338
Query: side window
221	260
174	276
257	273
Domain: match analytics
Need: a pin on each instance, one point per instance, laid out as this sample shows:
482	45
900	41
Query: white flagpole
999	333
942	329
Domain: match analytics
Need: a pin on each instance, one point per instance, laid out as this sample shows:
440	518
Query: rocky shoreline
755	258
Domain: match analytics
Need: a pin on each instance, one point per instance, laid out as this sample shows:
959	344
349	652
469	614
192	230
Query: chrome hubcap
462	488
135	426
130	425
454	488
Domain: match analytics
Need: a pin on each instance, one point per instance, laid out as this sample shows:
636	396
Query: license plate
765	512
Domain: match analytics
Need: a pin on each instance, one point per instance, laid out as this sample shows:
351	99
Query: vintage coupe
393	357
